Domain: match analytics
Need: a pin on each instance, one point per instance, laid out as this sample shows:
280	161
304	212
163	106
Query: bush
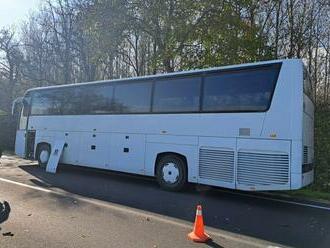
322	151
7	132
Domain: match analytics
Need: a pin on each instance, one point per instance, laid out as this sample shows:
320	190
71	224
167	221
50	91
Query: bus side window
242	90
308	90
46	102
177	95
96	99
132	98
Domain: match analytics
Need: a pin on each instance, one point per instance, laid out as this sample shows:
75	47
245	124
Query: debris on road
8	234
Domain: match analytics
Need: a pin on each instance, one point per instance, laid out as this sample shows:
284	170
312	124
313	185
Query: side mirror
17	105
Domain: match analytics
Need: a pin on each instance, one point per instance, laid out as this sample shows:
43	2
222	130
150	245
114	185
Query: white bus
247	127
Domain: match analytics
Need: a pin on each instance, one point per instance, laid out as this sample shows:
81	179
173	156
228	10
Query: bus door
20	132
23	139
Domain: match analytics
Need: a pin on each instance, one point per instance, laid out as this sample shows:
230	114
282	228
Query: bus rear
308	132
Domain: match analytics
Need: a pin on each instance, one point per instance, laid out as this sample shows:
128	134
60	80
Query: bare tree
10	62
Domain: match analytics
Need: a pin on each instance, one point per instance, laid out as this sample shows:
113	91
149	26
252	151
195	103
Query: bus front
20	111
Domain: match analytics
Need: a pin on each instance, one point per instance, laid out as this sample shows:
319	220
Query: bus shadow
248	216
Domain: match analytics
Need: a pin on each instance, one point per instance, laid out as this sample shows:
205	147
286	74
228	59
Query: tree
10	64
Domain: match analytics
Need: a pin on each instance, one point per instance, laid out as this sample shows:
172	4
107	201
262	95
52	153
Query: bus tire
171	172
43	154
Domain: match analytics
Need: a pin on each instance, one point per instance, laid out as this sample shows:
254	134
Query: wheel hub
170	173
44	156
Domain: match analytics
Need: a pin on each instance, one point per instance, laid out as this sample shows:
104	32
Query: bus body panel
283	119
296	164
190	152
263	164
155	124
72	151
20	139
308	142
94	149
127	152
20	143
307	178
221	173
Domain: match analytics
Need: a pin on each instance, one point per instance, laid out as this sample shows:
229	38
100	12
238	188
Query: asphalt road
80	207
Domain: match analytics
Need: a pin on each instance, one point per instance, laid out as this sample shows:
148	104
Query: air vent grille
262	168
305	155
216	164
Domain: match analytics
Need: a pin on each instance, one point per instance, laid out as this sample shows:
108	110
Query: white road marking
137	212
279	200
25	185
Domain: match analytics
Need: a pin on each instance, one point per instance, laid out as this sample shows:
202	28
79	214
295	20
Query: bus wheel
43	154
171	172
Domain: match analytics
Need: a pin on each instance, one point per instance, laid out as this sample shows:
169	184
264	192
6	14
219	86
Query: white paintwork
281	129
20	143
44	156
221	143
131	161
265	146
308	138
54	156
20	134
307	178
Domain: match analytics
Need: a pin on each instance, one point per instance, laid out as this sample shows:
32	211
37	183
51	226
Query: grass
309	194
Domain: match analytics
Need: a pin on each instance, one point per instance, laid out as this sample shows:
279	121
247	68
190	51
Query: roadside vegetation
73	41
320	189
322	151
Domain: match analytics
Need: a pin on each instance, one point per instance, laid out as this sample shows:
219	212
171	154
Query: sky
13	12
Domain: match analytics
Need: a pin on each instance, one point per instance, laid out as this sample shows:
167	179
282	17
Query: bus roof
166	75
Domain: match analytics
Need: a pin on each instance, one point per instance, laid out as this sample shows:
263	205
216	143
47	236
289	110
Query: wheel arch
162	154
40	144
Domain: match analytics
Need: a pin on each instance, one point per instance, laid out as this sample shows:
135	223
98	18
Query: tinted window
307	84
27	104
70	100
46	102
177	95
96	99
243	90
132	98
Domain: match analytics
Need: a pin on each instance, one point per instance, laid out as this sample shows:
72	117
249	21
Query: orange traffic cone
198	234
